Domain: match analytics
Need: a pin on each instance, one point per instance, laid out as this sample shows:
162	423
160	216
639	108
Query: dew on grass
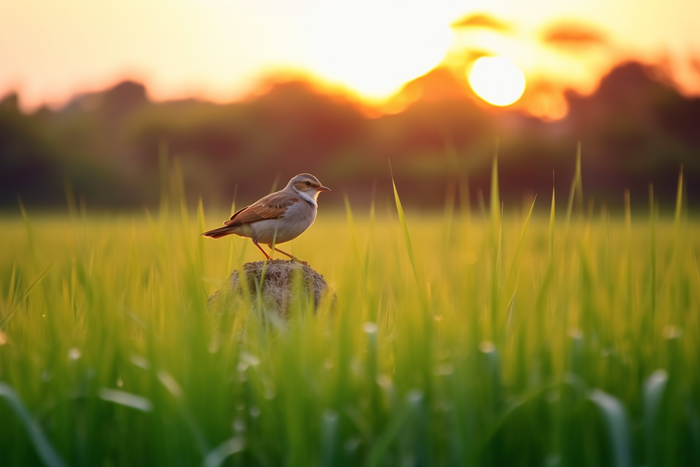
444	369
74	353
239	425
672	332
487	346
384	381
140	362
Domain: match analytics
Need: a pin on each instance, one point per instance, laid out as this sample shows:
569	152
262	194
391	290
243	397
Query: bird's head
308	185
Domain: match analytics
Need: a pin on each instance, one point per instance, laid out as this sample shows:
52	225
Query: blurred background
241	96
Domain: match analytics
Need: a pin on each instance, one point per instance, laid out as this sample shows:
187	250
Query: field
470	337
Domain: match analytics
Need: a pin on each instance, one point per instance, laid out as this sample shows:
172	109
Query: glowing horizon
220	50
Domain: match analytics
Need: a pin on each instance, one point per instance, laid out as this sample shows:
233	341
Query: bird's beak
324	188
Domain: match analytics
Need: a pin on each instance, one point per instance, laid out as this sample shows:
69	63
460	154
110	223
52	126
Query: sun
497	80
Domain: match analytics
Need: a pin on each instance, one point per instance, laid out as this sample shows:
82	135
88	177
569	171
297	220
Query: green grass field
459	338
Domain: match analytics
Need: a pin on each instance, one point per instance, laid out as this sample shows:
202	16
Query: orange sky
218	49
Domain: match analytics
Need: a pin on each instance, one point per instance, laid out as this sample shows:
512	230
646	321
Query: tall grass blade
693	415
577	357
495	206
576	191
511	311
170	384
518	249
12	288
496	238
126	399
174	388
653	394
496	284
418	441
329	438
552	219
28	291
492	373
679	201
28	226
370	330
44	449
511	408
372	223
404	225
617	425
381	446
219	454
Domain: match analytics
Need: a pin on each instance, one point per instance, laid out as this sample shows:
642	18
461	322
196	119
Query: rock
278	287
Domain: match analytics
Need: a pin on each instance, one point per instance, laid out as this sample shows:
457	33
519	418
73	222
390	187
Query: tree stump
276	291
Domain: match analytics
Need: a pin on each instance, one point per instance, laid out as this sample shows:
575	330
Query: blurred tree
29	162
635	128
636	131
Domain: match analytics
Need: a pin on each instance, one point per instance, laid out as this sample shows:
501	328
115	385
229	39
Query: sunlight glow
372	50
497	80
221	50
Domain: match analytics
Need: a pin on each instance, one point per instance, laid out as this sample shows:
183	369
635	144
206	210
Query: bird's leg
260	248
290	256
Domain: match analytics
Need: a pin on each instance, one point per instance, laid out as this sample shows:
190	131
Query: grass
462	338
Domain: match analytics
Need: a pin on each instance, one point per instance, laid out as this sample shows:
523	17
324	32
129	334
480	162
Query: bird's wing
272	206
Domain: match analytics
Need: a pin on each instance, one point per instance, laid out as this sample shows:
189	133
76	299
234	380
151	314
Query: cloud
573	35
481	20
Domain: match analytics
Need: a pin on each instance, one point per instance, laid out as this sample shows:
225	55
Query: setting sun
497	80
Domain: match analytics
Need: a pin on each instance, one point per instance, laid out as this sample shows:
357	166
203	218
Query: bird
278	217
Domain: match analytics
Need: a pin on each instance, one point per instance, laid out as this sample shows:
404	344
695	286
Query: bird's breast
293	223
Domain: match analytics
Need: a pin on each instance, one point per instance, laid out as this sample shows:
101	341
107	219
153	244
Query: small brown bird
278	217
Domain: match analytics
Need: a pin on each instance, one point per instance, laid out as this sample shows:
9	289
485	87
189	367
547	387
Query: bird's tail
218	233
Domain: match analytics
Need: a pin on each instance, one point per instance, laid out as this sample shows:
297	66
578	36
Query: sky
221	49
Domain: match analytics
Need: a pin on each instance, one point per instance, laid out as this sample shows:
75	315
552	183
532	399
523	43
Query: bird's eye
308	183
